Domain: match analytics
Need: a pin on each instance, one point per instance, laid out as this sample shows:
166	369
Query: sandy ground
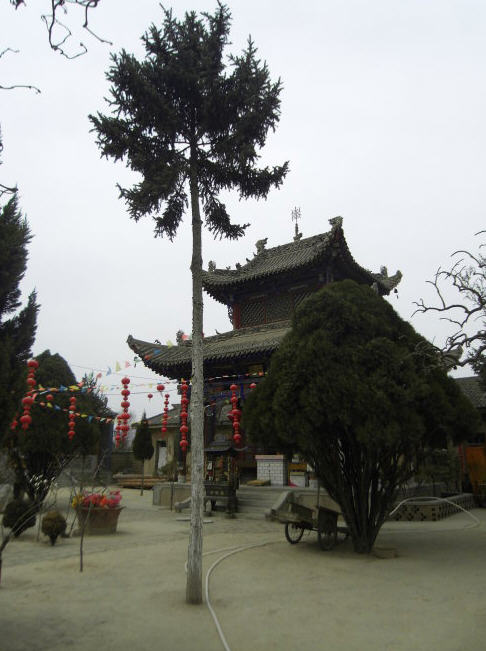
131	594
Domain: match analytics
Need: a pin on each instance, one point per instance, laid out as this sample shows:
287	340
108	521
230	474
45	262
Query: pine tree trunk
143	472
194	561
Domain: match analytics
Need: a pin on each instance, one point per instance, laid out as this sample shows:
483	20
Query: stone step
257	500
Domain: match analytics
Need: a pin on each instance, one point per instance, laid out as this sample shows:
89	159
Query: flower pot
98	520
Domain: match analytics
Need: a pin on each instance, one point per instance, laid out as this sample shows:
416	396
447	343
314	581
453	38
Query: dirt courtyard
274	596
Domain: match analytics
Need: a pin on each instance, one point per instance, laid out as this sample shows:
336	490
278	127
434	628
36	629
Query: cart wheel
293	532
327	539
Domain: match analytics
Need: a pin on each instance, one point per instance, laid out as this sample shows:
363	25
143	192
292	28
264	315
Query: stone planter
97	520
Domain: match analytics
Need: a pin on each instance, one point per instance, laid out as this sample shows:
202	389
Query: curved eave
223	282
230	347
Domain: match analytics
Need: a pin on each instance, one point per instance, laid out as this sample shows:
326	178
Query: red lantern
160	387
27	402
126	380
49	397
125	393
252	386
25	421
150	396
33	364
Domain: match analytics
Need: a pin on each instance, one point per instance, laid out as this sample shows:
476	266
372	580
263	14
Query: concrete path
131	593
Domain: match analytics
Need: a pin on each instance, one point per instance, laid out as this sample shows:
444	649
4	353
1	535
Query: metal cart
298	518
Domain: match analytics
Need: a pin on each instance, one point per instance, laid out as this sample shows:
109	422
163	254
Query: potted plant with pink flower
98	513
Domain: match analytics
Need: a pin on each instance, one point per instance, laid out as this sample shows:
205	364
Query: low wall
432	510
170	493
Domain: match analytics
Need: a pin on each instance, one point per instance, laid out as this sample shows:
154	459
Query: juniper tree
40	453
351	388
17	328
191	123
142	445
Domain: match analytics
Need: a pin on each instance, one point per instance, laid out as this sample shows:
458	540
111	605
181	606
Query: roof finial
336	222
296	215
260	246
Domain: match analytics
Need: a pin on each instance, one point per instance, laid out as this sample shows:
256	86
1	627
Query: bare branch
92	5
8	49
52	22
30	87
467	276
4	189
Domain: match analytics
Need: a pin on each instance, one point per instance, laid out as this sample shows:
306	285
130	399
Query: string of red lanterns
28	400
160	388
184	443
235	415
124	416
165	417
72	417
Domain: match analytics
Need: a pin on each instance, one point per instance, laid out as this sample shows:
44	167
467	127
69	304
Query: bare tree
467	311
58	31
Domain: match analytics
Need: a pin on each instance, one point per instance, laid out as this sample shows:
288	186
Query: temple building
261	296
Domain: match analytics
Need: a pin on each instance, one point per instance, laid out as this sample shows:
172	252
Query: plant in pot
98	513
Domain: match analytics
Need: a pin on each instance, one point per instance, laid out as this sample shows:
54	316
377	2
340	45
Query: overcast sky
383	122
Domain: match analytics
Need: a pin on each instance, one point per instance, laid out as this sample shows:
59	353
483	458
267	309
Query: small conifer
142	445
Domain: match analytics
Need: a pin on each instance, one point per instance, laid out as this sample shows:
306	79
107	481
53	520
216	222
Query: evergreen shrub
19	515
53	525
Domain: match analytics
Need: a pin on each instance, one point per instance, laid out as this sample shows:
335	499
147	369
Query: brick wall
272	467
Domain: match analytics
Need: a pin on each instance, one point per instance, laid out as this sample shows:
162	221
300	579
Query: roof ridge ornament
296	215
336	222
211	266
260	246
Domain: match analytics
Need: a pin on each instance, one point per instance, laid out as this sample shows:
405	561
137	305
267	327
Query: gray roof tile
169	360
292	256
472	389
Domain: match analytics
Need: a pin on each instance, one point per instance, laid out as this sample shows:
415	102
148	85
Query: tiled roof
292	256
471	387
174	416
173	361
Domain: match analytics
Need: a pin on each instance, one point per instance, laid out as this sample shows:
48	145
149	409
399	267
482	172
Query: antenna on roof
296	215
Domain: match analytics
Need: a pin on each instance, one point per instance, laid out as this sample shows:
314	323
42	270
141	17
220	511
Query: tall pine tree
17	328
191	121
